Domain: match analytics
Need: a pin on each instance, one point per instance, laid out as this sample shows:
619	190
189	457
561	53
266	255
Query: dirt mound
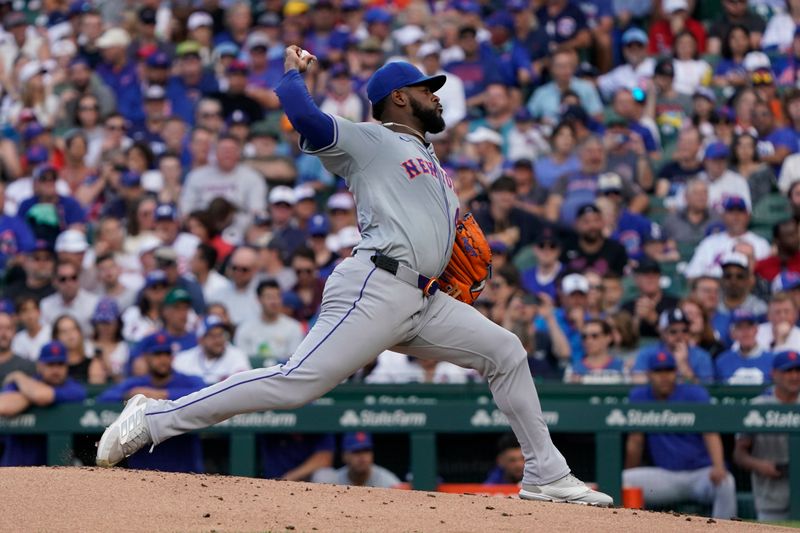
92	499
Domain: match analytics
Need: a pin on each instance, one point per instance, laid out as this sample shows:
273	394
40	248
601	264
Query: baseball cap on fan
397	75
784	361
53	352
661	360
573	283
672	316
356	442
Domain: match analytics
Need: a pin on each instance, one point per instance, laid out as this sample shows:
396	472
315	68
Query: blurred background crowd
634	164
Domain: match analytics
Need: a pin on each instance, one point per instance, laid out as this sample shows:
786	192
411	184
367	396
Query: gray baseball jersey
407	206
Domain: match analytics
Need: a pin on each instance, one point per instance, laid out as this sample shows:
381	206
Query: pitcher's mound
91	499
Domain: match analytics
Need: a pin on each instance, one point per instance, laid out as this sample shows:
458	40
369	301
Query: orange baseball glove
470	264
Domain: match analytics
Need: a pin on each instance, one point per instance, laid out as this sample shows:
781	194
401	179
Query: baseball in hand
304	54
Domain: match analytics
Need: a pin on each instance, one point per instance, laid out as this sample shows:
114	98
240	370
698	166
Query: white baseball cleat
567	489
126	435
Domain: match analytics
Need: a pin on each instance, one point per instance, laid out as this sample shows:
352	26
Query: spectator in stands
16	236
108	274
181	454
686	465
307	292
510	464
735	14
37	279
191	83
745	160
597	364
788	282
774	143
69	298
636	71
651	300
203	269
502	221
229	178
284	228
120	74
50	386
766	455
571	191
786	237
271	336
214	358
487	146
359	468
693	363
110	349
688	225
178	319
665	33
736	217
734	44
737	285
746	363
722	182
780	332
629	229
144	318
476	68
544	103
167	260
239	296
544	275
67	331
565	25
168	230
10	360
589	249
701	331
691	72
686	165
47	211
272	265
562	159
32	334
544	347
526	140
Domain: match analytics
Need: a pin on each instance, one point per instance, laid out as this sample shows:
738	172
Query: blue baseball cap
226	49
318	225
157	342
377	14
397	75
208	323
53	352
743	315
166	212
515	6
356	442
634	35
155	277
130	179
159	60
734	203
500	19
32	131
717	150
467	6
7	306
106	311
784	361
36	154
661	360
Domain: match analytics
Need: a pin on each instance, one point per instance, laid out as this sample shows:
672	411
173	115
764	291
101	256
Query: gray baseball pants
366	310
663	487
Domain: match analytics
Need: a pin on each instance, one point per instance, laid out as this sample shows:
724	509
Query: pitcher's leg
346	337
458	333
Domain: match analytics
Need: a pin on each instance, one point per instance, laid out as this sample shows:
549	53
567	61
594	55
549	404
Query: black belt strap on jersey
427	285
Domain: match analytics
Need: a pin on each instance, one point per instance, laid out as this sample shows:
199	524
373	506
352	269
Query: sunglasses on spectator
547	246
679	331
115	127
64	279
239	268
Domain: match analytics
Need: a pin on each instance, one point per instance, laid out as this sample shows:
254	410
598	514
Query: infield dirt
92	499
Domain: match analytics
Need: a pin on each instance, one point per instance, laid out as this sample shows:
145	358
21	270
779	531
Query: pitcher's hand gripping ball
470	264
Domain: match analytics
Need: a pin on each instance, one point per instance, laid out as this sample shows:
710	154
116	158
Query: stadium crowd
634	164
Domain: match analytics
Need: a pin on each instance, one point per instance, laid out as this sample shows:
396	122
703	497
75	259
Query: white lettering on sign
370	418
